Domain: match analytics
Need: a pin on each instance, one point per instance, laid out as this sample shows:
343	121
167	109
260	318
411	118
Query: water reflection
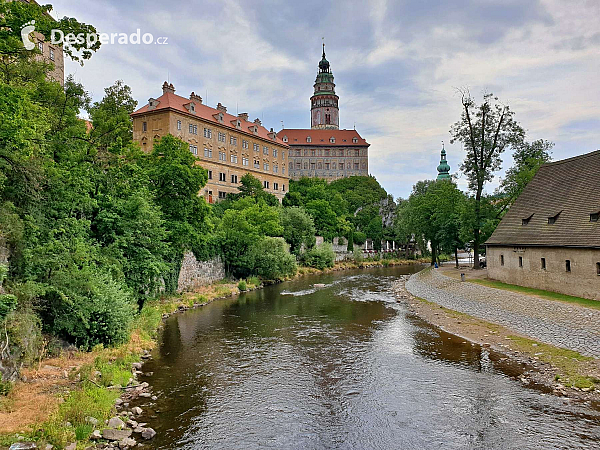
343	366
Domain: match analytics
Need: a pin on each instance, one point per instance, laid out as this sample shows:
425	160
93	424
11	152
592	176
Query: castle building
325	151
444	168
226	146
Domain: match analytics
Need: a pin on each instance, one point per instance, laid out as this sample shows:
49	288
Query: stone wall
582	281
194	273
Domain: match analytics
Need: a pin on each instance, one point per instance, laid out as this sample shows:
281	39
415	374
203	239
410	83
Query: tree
270	259
324	217
298	228
250	186
350	247
528	158
486	131
112	124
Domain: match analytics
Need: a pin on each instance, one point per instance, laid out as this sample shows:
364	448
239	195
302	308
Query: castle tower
324	111
444	168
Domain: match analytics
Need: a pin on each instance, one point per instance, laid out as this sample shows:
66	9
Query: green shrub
360	238
341	241
385	262
321	257
255	281
102	316
242	286
350	247
358	255
8	303
271	259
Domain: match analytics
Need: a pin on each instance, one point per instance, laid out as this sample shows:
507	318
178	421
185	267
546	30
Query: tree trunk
477	228
433	254
456	256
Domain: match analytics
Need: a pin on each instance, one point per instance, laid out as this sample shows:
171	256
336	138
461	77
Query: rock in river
111	434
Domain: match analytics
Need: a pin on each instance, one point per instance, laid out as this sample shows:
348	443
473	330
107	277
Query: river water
344	366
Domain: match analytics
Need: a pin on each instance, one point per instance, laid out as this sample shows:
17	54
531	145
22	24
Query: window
568	265
244	143
326	166
298	165
283	187
222	195
194	149
210	175
222	176
266	184
256	147
355	140
283	170
356	153
144	126
275	168
244	161
233	158
234	179
193	129
319	165
501	260
232	140
526	220
594	217
282	155
208	133
207	152
192	107
51	53
341	166
221	137
598	268
520	261
266	166
275	186
275	153
305	165
256	164
543	263
356	166
312	166
326	152
265	150
312	153
552	220
41	46
222	156
179	124
308	139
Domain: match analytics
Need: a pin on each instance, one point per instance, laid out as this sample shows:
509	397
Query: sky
397	67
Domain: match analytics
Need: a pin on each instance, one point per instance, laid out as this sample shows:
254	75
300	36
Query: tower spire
324	102
444	168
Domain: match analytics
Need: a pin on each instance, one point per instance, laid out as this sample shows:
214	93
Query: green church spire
444	167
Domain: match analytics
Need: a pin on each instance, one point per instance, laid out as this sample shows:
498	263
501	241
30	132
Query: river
343	366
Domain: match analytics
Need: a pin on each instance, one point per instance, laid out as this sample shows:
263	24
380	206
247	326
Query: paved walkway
553	322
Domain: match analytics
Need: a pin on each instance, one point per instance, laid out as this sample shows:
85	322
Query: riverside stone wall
194	273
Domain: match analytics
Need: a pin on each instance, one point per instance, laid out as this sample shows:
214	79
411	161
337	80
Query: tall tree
486	131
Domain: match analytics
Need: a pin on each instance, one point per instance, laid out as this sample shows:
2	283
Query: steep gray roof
569	188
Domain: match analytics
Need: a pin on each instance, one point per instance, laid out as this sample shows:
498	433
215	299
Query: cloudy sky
397	65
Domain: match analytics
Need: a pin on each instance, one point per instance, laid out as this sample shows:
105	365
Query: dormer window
552	219
332	140
308	139
526	220
192	107
285	139
355	140
594	217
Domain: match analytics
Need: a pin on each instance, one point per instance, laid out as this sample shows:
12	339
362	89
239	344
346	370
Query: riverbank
561	371
62	401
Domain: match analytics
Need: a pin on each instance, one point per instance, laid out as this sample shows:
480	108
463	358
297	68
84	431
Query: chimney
195	97
221	107
243	116
257	122
168	88
272	134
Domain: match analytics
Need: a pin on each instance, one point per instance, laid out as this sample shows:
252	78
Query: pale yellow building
227	146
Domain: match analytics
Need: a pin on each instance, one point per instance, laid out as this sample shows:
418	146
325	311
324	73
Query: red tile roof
343	138
176	102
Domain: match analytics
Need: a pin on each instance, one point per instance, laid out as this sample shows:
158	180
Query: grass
548	295
568	362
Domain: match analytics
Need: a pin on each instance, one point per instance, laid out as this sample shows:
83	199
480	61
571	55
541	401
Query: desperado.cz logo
58	37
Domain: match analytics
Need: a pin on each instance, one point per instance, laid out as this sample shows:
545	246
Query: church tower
444	168
324	111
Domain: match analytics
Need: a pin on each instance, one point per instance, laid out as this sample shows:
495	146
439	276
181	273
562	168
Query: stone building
550	237
226	146
325	151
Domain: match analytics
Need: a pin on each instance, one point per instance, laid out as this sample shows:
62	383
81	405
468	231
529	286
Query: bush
360	238
350	247
242	285
320	257
255	281
102	316
271	259
341	241
8	302
358	256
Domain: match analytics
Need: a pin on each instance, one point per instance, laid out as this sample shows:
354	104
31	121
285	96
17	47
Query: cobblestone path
553	322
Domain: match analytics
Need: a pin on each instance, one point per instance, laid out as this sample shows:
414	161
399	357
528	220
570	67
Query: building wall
194	273
161	123
307	161
51	54
582	281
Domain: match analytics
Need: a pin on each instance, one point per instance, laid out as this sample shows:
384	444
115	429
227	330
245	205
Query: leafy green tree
358	191
350	246
112	124
528	158
324	217
359	237
374	231
320	257
250	186
486	131
271	260
298	228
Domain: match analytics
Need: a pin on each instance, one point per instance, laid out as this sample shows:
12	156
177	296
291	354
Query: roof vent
552	219
166	87
594	217
221	107
526	220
